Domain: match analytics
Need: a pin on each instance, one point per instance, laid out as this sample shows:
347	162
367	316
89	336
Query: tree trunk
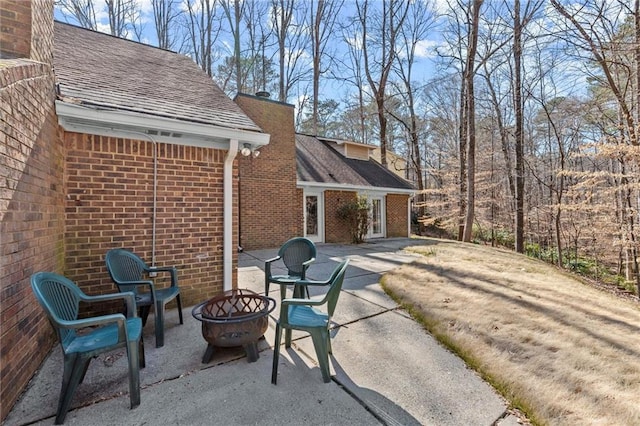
519	135
471	122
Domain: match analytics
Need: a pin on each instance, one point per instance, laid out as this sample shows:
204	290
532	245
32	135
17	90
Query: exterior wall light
246	150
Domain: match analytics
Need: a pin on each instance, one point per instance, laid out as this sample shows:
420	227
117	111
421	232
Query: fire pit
234	318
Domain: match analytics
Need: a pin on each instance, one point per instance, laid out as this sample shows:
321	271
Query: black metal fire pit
234	318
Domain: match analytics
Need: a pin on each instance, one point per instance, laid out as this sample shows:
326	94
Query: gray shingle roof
100	69
317	161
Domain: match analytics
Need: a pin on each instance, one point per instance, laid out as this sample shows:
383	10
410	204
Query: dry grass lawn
562	351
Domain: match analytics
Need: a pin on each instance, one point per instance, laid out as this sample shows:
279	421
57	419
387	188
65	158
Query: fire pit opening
235	318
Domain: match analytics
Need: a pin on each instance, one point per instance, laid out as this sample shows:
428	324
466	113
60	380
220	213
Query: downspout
227	248
409	224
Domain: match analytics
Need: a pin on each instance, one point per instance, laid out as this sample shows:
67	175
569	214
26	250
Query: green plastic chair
296	254
60	298
128	271
303	314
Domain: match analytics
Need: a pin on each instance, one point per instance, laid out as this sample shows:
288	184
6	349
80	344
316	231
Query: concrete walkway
387	369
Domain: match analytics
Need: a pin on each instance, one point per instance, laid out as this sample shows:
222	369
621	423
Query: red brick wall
31	196
397	220
109	204
337	230
26	29
41	30
270	203
15	29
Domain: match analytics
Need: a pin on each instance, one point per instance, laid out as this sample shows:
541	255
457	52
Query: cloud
426	48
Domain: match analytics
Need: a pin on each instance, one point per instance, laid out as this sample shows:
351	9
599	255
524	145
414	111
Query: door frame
320	194
383	220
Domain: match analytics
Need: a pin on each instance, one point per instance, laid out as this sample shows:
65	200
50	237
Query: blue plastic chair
60	298
296	254
128	271
303	314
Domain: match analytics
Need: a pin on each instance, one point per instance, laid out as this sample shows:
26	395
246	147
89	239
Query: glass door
376	226
313	217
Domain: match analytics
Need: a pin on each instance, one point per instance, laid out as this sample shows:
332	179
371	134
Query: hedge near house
356	214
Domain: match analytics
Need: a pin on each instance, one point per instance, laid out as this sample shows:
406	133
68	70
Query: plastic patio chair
128	271
60	298
296	254
304	315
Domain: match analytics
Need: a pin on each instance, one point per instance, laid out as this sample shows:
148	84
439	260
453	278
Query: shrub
356	214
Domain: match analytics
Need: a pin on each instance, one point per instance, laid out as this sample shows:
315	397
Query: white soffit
127	124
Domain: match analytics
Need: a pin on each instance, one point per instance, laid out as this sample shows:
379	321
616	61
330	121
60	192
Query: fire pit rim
270	305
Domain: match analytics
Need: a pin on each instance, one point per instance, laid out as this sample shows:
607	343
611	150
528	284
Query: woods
518	120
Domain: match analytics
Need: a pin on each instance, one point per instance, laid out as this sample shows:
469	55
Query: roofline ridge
56	21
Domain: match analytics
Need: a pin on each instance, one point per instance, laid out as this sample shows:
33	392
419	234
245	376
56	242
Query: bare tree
323	20
203	29
469	102
166	14
379	32
83	11
260	67
420	20
121	13
287	18
352	72
233	12
597	27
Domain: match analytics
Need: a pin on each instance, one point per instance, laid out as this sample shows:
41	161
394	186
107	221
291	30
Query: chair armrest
308	262
128	297
267	267
268	261
308	302
91	322
152	288
171	269
313	282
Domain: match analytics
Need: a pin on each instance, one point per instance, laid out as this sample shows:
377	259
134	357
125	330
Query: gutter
349	187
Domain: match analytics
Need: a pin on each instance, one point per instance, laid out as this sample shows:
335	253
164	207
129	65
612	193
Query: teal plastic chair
296	254
128	272
60	298
303	314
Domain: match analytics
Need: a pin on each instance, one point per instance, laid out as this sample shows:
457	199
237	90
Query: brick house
298	182
110	143
106	143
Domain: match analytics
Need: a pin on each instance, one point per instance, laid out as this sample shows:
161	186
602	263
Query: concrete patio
387	369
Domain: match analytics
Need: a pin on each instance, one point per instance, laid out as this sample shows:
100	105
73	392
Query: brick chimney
26	30
270	204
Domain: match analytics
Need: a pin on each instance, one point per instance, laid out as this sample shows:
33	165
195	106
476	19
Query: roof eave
127	124
349	187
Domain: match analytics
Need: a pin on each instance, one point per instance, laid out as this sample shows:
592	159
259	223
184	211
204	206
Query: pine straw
563	352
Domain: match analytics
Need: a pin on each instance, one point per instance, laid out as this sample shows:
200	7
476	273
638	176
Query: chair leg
287	337
134	372
159	324
283	291
84	369
179	308
141	359
320	344
143	312
74	367
276	355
